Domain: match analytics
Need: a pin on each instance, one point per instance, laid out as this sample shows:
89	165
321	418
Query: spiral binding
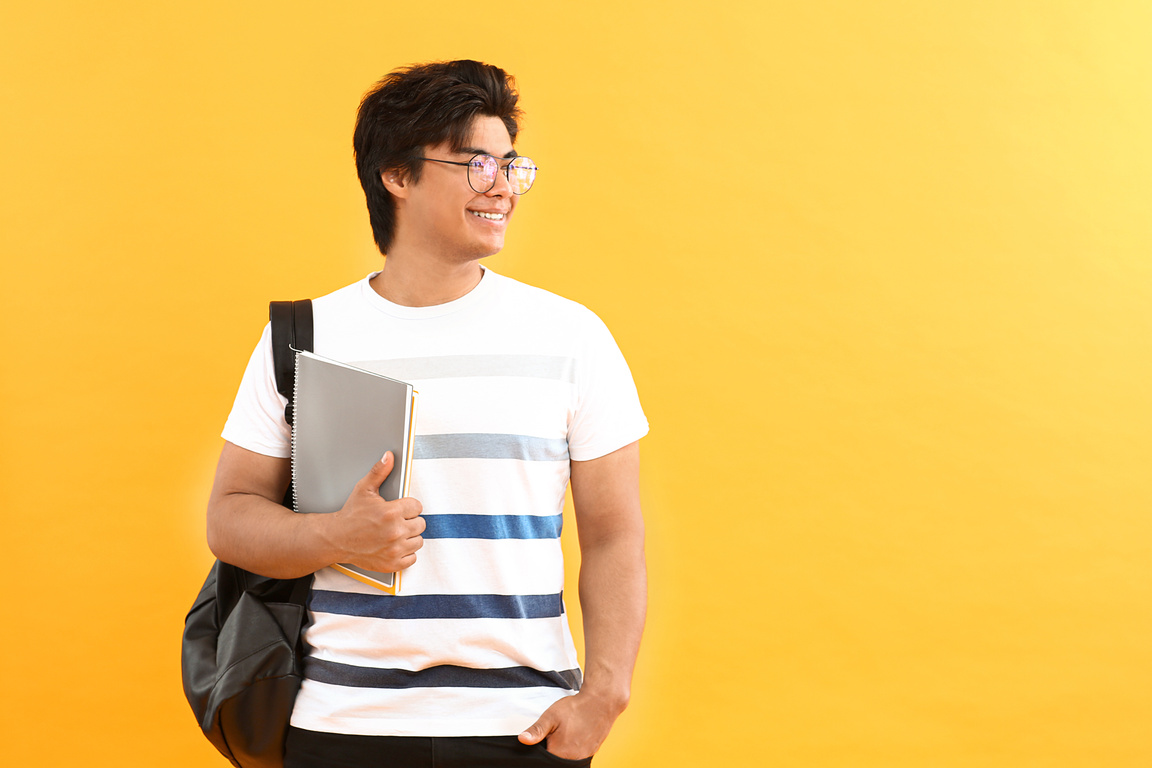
295	423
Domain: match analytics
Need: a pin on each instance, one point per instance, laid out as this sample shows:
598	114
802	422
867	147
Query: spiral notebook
344	419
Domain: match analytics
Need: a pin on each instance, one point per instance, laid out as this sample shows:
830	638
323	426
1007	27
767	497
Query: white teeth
492	216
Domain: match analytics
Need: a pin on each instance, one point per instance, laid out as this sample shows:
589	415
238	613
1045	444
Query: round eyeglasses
482	170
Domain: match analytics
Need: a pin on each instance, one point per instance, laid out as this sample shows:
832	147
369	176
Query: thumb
380	470
540	729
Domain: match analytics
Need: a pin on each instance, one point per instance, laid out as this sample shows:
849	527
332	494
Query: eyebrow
477	151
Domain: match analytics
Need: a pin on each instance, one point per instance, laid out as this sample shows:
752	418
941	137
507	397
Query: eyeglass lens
482	171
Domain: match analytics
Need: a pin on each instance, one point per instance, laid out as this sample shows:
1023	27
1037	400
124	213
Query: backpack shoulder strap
291	332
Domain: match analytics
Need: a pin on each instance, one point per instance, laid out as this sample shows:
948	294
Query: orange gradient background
881	271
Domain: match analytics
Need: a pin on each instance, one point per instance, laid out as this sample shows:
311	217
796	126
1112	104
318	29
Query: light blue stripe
493	526
488	446
459	366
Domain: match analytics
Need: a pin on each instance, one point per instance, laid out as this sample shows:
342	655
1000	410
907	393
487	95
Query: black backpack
243	654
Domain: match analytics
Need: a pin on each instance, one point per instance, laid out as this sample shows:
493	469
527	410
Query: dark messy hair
418	106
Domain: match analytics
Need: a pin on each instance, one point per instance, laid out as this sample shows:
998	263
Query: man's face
442	214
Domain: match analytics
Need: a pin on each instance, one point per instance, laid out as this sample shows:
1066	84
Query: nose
502	187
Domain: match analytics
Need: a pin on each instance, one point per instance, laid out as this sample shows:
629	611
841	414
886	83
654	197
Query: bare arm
613	599
248	526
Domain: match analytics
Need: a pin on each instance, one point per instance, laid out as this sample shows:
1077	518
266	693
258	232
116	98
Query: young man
520	392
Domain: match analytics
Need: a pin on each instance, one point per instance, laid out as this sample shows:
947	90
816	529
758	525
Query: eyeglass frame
505	168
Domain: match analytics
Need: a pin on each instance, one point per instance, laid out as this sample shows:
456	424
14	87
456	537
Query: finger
380	470
410	508
539	730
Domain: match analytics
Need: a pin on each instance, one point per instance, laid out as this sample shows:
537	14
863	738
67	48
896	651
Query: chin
480	253
491	249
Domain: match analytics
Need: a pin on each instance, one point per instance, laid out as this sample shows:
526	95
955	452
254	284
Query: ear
396	182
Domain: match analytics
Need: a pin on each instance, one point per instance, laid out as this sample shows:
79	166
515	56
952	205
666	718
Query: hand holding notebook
346	418
379	535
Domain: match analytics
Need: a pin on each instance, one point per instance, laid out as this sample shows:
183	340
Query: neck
412	282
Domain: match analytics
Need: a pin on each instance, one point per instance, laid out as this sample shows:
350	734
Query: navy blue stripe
382	606
489	446
492	526
444	676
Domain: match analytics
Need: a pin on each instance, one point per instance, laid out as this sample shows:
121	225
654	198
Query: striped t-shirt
514	382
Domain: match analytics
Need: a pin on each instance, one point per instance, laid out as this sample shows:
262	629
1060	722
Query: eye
484	168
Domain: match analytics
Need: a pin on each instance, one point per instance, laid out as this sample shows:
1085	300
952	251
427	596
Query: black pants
310	749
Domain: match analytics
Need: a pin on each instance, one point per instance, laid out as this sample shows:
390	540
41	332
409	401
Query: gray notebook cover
345	418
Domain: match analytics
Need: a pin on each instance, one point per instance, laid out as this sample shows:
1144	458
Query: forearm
613	600
264	537
249	528
246	527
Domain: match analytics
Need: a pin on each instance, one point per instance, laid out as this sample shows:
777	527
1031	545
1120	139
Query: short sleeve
257	418
607	415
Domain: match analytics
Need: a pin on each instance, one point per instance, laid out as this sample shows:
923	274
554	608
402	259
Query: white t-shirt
514	382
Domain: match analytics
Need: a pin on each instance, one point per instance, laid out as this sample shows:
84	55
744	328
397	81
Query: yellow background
881	270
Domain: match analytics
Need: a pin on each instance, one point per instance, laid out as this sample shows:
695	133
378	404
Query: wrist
613	695
321	538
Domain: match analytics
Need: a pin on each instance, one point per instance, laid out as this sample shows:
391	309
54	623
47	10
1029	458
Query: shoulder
345	309
542	305
342	297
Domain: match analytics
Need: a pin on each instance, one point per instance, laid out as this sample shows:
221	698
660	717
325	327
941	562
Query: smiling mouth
489	216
